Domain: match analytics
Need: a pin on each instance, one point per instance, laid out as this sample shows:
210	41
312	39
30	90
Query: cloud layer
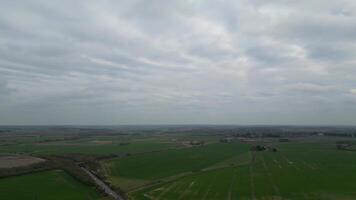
178	61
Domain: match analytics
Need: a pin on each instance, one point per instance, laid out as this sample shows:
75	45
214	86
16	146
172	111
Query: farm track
291	163
187	189
253	159
166	190
264	177
270	176
175	186
231	184
209	187
182	175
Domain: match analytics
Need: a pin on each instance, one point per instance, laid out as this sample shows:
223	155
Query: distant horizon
236	125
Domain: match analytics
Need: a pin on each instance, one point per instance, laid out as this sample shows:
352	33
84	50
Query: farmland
45	185
11	161
171	162
94	147
180	163
297	171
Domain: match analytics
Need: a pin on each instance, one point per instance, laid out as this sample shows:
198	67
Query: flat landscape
158	163
296	171
54	184
177	100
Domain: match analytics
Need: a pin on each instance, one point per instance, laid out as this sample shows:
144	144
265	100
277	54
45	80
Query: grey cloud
332	53
179	61
311	88
353	91
4	89
322	28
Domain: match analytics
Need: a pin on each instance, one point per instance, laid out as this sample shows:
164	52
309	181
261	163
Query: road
103	185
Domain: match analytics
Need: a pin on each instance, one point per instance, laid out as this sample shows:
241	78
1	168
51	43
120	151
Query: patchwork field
171	162
296	171
153	166
92	147
54	185
257	163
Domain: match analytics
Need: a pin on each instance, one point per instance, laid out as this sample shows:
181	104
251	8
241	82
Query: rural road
103	186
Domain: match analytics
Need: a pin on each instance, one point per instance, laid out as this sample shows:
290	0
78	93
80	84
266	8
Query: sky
118	62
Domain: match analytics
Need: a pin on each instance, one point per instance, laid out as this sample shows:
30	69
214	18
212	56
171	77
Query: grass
215	184
85	148
153	166
296	171
54	185
171	162
304	169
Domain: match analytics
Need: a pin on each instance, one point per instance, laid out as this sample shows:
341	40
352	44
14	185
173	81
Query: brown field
10	161
102	141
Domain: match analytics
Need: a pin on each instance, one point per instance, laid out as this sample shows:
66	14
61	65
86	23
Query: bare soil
11	161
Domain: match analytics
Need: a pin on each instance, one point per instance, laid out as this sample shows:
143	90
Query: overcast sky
178	62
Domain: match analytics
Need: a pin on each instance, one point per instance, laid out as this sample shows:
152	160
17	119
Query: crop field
171	162
54	185
92	147
251	163
296	171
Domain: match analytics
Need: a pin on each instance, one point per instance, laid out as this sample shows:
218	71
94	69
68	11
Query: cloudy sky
178	62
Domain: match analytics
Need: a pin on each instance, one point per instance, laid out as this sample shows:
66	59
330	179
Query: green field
136	170
86	147
130	172
54	185
296	171
196	165
171	162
